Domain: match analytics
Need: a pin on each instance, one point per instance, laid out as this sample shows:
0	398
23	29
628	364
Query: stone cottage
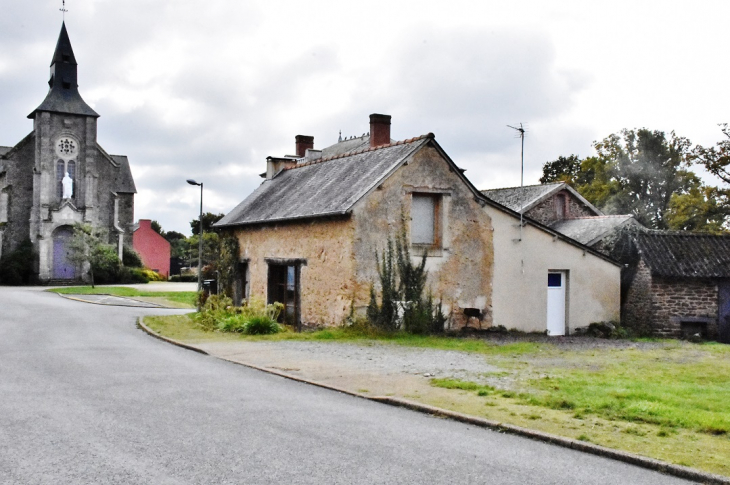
679	284
308	237
58	175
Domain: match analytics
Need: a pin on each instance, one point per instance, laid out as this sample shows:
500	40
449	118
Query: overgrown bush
17	266
253	318
213	310
184	278
402	283
130	258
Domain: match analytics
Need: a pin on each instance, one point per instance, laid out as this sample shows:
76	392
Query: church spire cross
63	10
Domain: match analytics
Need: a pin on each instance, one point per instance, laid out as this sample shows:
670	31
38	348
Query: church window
61	169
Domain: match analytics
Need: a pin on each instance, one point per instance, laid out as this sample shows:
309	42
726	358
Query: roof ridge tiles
363	150
524	186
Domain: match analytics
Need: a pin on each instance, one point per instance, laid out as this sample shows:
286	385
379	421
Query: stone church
58	175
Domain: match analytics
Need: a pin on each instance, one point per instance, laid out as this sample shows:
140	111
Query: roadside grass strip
667	400
185	299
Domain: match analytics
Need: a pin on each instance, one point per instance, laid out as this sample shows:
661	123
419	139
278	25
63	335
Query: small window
425	226
561	206
555	280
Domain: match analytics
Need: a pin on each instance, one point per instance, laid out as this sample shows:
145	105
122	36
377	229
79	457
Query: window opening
425	226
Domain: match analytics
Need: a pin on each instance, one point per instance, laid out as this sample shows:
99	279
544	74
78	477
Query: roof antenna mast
63	10
521	131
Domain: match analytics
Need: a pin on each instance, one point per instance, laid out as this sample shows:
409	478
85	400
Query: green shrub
130	258
184	278
261	325
17	266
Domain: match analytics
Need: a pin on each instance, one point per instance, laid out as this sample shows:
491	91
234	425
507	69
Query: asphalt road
86	397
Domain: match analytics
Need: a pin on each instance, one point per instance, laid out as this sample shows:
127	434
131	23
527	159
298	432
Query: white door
556	303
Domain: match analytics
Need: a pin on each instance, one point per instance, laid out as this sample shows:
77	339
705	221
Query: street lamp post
200	237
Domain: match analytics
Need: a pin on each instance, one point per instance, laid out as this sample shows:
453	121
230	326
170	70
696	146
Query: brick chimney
379	130
304	142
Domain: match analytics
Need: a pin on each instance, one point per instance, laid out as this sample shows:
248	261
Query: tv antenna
521	131
63	10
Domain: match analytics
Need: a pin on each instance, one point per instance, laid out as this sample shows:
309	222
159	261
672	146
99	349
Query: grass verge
179	299
664	399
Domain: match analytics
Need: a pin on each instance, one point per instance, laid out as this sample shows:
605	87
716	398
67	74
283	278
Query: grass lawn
668	400
181	299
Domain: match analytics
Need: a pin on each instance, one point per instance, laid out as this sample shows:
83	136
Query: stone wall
546	211
18	192
327	285
460	267
636	309
678	300
658	306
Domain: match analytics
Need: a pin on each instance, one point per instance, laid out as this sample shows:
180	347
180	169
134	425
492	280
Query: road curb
584	446
146	304
145	328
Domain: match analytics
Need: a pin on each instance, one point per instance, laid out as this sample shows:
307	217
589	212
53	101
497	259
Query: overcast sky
207	90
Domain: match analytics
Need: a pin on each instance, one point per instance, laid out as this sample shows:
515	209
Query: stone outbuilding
58	175
560	207
679	285
153	249
309	234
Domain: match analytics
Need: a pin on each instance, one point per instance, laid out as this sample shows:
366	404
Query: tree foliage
646	174
208	220
91	244
17	266
564	169
717	159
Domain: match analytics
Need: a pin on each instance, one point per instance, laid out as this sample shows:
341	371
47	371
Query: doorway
63	268
557	283
283	283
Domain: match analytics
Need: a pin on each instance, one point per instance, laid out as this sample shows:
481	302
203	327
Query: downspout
120	243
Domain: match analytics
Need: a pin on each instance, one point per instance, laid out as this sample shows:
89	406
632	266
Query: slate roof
124	182
671	254
324	187
522	199
62	99
590	230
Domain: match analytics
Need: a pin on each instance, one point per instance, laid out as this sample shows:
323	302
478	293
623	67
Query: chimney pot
303	142
379	130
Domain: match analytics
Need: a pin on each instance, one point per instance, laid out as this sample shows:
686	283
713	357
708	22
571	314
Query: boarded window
424	223
60	172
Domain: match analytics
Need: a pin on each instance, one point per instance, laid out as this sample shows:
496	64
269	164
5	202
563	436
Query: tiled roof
672	254
323	187
522	199
590	230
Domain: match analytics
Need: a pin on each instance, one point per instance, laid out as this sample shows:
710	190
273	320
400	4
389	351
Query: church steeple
63	96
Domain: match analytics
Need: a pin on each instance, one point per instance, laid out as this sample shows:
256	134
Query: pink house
152	248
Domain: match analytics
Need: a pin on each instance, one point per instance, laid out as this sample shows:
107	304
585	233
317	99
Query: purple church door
63	269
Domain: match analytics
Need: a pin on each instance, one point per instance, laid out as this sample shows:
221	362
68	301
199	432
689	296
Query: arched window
71	168
60	170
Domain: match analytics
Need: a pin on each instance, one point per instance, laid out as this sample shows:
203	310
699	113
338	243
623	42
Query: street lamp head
193	182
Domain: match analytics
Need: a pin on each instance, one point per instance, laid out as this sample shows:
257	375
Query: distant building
152	248
58	175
